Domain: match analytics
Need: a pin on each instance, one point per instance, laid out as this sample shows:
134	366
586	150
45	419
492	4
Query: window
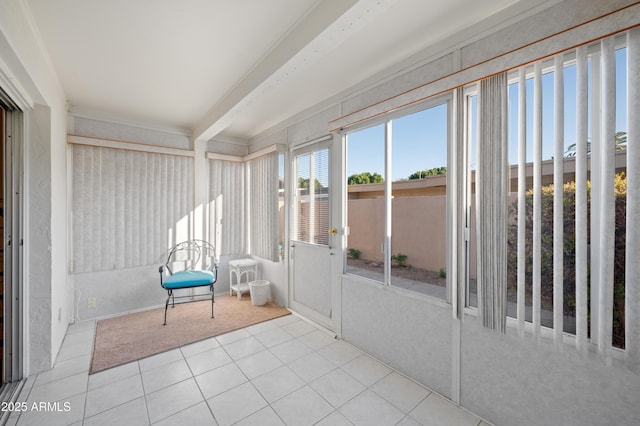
281	206
365	204
312	197
398	237
567	143
128	206
472	167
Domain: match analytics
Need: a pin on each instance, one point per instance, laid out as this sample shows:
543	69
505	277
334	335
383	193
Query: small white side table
240	268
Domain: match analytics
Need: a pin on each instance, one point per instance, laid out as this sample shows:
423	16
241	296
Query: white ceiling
235	67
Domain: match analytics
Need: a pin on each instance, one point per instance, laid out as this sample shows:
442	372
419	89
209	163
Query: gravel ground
408	272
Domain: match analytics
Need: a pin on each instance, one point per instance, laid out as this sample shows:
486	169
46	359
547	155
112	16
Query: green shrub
400	259
569	284
354	253
442	273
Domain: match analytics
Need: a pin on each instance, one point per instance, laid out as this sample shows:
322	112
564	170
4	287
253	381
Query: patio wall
419	230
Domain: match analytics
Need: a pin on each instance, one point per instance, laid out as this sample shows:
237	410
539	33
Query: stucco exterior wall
418	229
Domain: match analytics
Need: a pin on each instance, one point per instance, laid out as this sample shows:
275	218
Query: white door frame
335	220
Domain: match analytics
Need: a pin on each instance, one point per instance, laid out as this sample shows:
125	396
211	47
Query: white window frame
451	246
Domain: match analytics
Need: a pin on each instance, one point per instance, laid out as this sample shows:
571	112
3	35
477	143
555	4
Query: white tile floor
281	372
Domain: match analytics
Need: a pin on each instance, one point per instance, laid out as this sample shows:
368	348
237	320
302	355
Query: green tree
421	174
546	250
304	183
621	144
363	178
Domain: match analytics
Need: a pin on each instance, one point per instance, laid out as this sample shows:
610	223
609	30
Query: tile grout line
193	375
93	328
144	394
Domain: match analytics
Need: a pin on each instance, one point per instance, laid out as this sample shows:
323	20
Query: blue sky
419	143
570	112
419	139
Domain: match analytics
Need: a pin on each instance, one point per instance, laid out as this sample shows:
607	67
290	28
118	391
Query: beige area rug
135	336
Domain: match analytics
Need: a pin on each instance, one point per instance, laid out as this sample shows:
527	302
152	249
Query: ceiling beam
328	24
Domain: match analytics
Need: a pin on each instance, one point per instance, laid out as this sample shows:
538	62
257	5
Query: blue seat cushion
186	279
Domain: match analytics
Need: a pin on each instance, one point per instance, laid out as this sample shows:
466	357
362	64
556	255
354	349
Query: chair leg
166	305
212	301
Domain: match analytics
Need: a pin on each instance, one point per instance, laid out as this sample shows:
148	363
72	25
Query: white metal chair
189	264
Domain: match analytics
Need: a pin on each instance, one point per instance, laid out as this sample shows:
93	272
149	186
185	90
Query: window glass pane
620	190
365	205
472	269
568	193
419	205
281	207
546	213
320	162
569	197
312	197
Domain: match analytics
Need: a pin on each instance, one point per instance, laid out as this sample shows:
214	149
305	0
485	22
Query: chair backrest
192	254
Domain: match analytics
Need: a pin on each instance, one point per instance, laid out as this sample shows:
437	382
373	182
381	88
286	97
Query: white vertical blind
595	98
597	235
607	198
537	194
558	204
227	207
263	213
522	196
632	272
121	211
581	200
492	193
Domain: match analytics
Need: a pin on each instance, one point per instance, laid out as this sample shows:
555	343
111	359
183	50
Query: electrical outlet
91	302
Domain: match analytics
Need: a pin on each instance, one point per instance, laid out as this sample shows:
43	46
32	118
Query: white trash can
259	291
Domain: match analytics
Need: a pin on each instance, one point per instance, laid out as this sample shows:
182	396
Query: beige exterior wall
366	227
419	212
418	230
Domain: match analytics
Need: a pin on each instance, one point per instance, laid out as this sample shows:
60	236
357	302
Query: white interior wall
228	147
407	331
128	132
277	136
117	291
510	380
29	76
38	240
61	290
276	274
